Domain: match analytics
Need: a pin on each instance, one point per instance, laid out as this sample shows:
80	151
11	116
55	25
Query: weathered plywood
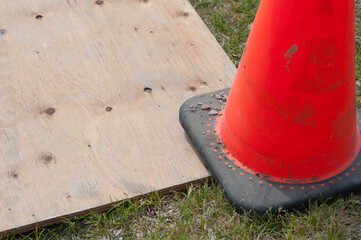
77	129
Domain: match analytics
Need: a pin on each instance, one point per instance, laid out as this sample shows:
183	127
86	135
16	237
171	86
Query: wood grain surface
89	94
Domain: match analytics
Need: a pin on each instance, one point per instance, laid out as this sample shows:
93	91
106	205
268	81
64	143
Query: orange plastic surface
291	112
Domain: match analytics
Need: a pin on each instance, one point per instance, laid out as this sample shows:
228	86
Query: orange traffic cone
288	132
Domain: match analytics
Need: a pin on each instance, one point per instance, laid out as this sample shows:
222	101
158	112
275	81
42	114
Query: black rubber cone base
245	190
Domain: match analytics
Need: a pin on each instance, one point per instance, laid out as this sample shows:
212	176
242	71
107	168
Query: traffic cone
286	133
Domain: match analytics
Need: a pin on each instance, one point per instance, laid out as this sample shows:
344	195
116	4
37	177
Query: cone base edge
247	191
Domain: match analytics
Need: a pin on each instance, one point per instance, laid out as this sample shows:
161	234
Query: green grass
202	212
358	51
230	22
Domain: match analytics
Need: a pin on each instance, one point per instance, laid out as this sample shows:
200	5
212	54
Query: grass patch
358	52
230	22
202	212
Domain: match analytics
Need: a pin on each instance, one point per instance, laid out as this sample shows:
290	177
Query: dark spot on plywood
108	109
147	90
145	1
191	88
135	29
89	145
49	111
204	83
39	17
185	14
2	31
99	2
151	31
47	158
13	174
68	197
162	87
9	209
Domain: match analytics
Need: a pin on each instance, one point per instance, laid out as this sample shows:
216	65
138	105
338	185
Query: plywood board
77	129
